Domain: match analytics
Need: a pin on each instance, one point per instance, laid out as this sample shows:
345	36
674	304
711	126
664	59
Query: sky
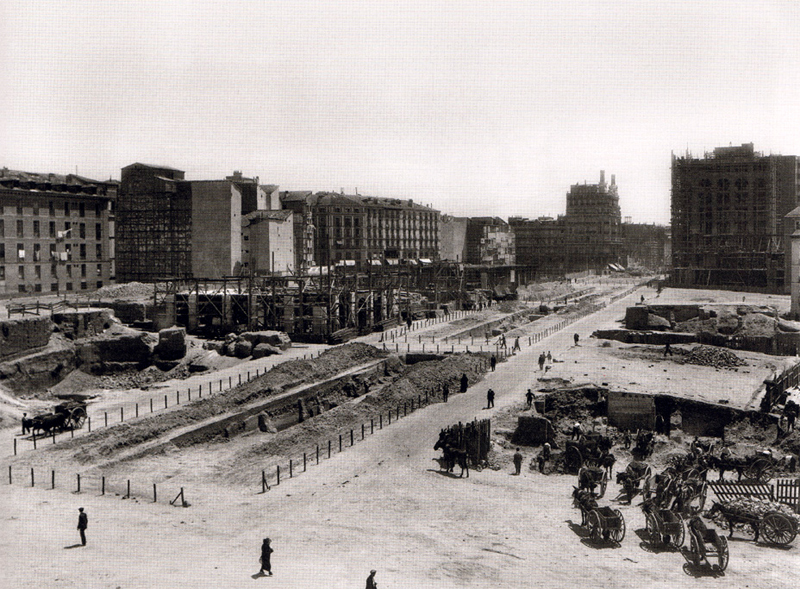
476	108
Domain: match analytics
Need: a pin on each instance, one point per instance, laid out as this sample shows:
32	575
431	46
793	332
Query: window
20	228
67	227
98	209
98	251
54	287
69	270
68	251
66	209
19	207
83	270
37	252
2	227
2	272
82	230
2	251
21	252
53	254
99	269
52	228
69	286
54	270
83	285
36	229
37	271
37	288
98	231
21	272
99	284
51	208
36	208
83	251
21	288
82	210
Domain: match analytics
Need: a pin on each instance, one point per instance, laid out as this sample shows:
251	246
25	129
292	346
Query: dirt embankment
103	443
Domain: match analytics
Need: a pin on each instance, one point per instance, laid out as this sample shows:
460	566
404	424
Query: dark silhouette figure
517	347
544	456
464	383
26	424
517	461
371	582
667	350
489	398
576	337
541	361
445	392
493	362
529	398
266	551
83	523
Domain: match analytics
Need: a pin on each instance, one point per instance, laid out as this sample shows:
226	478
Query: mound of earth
715	357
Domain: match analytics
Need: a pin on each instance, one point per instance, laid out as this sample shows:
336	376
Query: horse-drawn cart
664	526
602	523
590	449
63	417
772	525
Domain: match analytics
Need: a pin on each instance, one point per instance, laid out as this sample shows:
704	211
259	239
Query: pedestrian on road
445	392
642	299
517	462
464	383
549	357
577	431
489	399
529	398
576	337
266	551
409	322
544	456
541	361
26	425
83	523
516	345
493	362
371	582
667	350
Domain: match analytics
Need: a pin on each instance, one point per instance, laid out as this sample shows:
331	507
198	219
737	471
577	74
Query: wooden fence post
317	453
15	446
128	495
177	397
278	473
304	461
155	495
137	409
189	394
165	401
52	479
362	431
351	438
340	442
263	482
9	474
329	448
121	414
78	475
291	474
371	425
32	481
151	404
105	414
34	440
103	485
380	421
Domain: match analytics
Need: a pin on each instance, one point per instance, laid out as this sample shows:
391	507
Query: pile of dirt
791	443
128	291
77	381
394	391
134	378
753	507
105	442
714	357
755	429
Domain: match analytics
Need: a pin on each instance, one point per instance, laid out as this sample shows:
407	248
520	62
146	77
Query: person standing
529	398
489	399
445	392
541	361
493	362
371	582
83	523
266	551
25	424
576	337
549	356
464	382
517	347
667	350
517	461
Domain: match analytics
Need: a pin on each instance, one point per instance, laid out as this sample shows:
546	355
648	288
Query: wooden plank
787	491
728	491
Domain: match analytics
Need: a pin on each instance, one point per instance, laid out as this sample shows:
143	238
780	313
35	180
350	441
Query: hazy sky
475	107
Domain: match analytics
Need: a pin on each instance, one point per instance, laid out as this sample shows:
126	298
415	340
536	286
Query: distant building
54	233
169	227
304	231
268	242
728	211
646	246
453	238
490	242
361	228
587	238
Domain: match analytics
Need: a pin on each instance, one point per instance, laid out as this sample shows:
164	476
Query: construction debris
715	357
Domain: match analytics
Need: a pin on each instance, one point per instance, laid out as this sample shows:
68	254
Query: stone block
242	349
264	350
18	336
171	343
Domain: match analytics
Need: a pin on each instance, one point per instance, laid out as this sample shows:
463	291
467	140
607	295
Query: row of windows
53	231
53	252
68	208
37	271
25	288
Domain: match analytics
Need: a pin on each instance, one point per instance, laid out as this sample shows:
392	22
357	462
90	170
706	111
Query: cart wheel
723	555
677	538
573	459
78	417
776	528
594	525
694	551
692	474
652	529
603	484
617	534
760	470
584	517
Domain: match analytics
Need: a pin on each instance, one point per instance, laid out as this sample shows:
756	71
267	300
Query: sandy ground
380	504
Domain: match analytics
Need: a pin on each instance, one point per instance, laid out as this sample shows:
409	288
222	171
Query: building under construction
727	218
327	304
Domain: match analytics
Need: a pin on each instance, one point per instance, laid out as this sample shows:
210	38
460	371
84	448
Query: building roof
152	166
264	215
269	187
794	213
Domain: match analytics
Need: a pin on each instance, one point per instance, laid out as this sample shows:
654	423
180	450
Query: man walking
493	362
517	462
489	399
464	382
667	350
576	337
266	551
445	392
371	582
529	398
541	361
83	523
517	347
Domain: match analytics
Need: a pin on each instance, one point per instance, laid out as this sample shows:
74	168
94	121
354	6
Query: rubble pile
753	507
714	357
129	290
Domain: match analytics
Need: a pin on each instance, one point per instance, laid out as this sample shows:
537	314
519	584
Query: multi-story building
453	238
54	233
489	242
304	231
268	242
646	246
361	228
169	227
540	245
727	218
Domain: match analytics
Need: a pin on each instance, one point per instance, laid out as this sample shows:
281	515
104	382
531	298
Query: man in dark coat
493	362
464	383
529	398
517	461
371	582
83	523
489	398
266	551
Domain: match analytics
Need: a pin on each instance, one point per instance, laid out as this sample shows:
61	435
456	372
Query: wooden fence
474	437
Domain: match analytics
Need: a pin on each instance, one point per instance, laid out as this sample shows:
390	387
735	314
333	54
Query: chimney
602	177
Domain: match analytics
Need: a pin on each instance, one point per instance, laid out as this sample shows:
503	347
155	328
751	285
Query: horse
48	422
733	518
589	477
451	455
